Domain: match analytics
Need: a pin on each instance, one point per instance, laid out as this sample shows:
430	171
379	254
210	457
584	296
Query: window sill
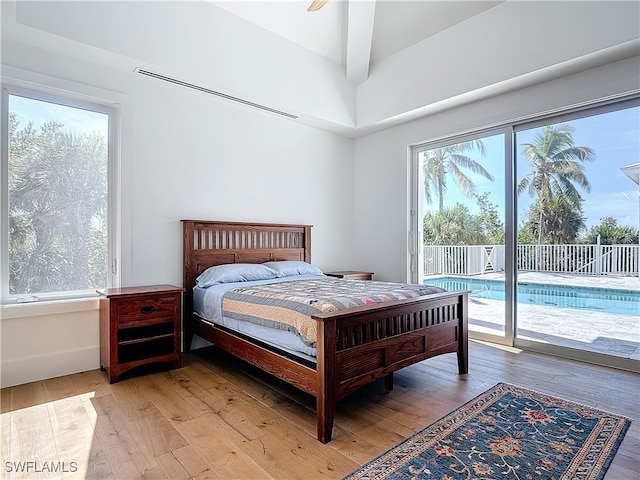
48	307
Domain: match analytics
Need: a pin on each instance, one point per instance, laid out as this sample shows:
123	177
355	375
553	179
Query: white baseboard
54	364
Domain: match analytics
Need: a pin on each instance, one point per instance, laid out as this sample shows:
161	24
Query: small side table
351	275
138	326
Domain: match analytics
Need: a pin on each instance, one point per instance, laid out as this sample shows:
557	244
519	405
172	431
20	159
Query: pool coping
554	285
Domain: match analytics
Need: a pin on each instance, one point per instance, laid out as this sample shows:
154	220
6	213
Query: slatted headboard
208	243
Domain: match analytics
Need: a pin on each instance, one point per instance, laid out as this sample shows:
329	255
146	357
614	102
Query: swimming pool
621	302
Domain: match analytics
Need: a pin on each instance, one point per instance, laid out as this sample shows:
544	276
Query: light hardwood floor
219	418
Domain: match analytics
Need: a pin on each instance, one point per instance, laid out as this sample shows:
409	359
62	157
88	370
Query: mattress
207	304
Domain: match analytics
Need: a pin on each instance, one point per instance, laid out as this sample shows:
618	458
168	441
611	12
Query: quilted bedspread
290	305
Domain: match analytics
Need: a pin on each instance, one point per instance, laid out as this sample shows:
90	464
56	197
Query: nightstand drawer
140	309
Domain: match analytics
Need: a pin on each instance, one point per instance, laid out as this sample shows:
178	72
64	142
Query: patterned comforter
289	305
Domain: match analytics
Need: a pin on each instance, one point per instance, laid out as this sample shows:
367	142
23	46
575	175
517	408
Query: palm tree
440	162
557	167
562	220
58	195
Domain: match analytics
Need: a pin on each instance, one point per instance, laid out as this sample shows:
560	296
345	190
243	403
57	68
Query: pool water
621	302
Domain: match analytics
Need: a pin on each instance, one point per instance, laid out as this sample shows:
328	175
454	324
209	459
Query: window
540	223
56	211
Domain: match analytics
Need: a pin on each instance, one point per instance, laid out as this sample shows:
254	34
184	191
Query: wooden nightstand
138	326
351	275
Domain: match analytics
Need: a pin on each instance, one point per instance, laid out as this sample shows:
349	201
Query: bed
353	346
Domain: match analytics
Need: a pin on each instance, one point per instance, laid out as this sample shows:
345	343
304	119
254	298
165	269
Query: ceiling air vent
213	92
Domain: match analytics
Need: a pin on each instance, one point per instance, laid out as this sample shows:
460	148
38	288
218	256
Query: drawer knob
147	309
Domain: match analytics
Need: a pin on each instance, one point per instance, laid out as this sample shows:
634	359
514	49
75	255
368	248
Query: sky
615	138
76	119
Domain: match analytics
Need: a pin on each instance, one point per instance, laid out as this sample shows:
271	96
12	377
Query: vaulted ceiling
357	33
352	67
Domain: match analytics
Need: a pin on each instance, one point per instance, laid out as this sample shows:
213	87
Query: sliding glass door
539	220
462	211
578	221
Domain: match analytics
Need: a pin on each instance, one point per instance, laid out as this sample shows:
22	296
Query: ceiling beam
359	35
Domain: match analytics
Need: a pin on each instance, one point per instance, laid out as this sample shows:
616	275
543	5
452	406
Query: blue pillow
288	268
235	272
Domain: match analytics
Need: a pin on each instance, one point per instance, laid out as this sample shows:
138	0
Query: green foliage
491	226
450	226
457	226
611	233
527	235
562	222
57	209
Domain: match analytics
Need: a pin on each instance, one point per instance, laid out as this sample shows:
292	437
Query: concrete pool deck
608	333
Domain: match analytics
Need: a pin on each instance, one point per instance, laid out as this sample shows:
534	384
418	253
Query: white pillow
288	268
235	272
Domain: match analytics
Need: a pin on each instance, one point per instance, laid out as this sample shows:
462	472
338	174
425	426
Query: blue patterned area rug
508	432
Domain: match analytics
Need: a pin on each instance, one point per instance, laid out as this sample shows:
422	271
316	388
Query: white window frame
509	220
68	94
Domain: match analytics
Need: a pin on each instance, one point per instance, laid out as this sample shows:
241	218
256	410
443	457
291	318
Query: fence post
598	256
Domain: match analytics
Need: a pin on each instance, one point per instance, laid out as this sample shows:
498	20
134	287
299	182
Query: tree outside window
57	198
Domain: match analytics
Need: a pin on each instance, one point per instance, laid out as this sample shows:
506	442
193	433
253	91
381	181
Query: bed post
187	266
463	335
307	243
388	382
326	368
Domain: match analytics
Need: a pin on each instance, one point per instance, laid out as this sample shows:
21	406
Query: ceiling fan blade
316	5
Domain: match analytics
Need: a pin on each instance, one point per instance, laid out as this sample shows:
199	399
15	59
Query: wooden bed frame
354	346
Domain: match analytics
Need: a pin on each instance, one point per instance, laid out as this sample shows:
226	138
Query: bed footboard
358	346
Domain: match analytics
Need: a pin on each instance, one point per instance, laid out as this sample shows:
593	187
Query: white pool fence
590	259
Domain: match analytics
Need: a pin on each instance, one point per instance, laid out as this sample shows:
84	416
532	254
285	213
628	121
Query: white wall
200	157
506	43
185	154
196	42
48	340
382	173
